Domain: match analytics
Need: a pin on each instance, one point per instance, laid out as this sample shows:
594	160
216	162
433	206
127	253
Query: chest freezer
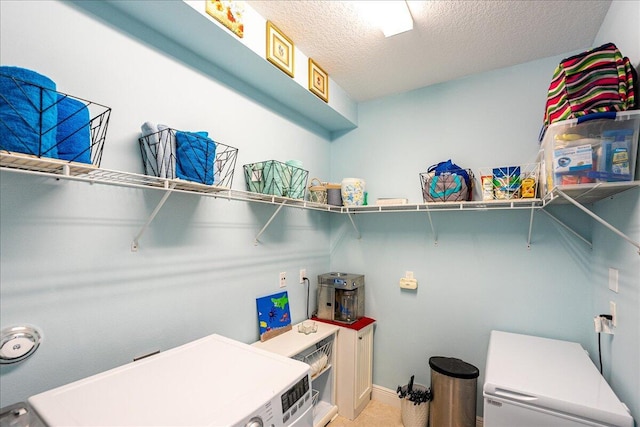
533	381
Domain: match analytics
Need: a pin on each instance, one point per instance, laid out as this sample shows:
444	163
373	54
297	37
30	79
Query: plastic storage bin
276	178
600	147
453	389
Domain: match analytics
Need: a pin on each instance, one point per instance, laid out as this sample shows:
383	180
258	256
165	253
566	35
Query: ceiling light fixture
393	16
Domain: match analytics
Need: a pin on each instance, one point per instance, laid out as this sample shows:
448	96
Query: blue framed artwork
274	317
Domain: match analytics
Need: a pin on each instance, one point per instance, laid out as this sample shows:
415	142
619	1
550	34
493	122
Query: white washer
532	382
214	381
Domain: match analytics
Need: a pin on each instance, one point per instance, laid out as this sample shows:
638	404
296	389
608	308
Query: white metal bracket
169	190
533	205
256	241
350	215
600	220
571	230
433	230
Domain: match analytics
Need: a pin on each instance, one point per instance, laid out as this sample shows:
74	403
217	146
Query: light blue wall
480	276
66	264
621	352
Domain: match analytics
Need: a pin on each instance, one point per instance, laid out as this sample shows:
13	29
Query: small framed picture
279	49
318	81
229	13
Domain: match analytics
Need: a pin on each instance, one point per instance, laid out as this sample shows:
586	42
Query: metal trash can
453	388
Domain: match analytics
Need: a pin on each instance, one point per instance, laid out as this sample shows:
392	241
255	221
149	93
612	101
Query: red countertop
359	324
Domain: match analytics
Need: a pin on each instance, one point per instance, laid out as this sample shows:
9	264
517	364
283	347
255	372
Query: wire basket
317	192
452	186
314	400
510	182
193	156
319	358
42	122
276	178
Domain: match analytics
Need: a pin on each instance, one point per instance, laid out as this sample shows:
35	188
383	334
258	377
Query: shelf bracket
530	226
571	230
433	230
256	241
350	215
134	244
600	220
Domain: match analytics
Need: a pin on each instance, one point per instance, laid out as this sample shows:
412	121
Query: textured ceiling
450	39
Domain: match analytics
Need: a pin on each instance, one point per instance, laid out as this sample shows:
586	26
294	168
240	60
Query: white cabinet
319	350
354	368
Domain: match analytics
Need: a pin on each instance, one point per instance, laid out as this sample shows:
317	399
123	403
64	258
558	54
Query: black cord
304	279
600	353
609	317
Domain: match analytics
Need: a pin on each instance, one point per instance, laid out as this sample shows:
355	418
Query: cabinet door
364	368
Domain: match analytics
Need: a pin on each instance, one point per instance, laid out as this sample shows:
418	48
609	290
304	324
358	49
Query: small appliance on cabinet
341	297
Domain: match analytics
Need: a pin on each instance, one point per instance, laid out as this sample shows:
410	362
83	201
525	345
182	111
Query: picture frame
229	13
318	81
280	49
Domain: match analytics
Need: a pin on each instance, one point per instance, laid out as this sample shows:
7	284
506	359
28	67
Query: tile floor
375	414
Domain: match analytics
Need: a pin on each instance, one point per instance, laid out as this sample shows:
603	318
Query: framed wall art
279	49
318	81
229	13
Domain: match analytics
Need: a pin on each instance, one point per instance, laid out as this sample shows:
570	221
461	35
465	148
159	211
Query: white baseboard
389	397
385	395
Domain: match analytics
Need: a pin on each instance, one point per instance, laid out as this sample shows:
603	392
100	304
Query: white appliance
214	381
533	382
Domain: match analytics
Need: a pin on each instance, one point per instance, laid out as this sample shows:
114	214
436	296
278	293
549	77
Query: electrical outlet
283	279
303	274
408	283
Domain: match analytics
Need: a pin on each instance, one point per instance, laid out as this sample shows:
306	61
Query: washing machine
214	381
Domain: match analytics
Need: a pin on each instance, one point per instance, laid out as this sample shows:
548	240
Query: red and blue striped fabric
598	80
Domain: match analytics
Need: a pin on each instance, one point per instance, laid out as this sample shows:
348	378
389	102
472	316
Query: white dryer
214	381
532	382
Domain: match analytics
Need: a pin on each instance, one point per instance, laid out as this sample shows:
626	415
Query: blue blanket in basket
73	134
28	113
195	156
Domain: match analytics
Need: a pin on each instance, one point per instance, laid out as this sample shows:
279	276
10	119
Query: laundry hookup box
601	147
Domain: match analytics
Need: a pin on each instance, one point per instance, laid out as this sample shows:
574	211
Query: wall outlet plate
283	279
408	283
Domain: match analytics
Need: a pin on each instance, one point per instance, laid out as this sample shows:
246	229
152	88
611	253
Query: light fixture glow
393	16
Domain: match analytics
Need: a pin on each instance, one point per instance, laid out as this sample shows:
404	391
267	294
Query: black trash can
453	388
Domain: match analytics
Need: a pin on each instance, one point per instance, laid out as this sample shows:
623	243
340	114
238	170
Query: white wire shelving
578	195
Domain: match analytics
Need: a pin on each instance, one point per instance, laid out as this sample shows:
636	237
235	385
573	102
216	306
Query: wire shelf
41	122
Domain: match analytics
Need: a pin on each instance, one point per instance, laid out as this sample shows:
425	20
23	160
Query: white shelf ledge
189	35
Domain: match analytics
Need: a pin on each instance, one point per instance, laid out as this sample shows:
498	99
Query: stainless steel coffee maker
341	297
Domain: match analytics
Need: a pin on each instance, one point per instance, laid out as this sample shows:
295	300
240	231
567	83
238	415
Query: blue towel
28	114
195	156
73	134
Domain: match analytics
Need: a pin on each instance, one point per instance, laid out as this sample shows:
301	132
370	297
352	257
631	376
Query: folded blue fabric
28	114
195	156
74	134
